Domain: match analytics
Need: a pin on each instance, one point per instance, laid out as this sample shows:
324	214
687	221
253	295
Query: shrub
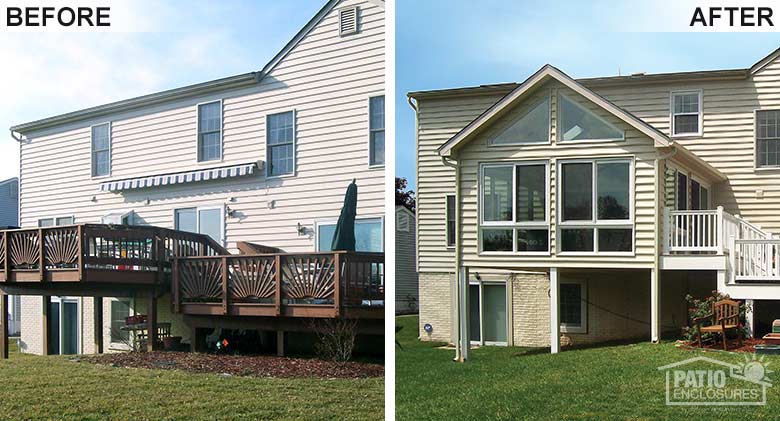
335	338
703	308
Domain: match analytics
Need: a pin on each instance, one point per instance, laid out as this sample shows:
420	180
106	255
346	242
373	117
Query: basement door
63	326
487	313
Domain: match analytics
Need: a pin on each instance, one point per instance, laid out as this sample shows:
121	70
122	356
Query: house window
369	235
376	123
573	307
531	127
120	311
596	206
202	220
487	313
514	208
686	113
768	138
577	123
50	222
281	143
210	131
450	220
101	150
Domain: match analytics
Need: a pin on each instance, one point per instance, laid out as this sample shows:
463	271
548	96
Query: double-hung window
204	220
281	143
595	213
450	220
686	113
768	138
101	150
376	129
573	306
210	131
513	204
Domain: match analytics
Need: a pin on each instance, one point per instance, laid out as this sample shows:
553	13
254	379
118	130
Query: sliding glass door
63	326
487	313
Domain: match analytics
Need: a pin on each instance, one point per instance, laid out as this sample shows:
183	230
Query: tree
404	196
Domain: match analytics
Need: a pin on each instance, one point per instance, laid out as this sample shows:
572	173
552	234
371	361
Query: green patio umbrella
344	235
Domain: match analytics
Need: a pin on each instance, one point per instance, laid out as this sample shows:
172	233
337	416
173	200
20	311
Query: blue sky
182	42
455	43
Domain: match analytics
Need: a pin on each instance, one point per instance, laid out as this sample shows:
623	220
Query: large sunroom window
595	211
531	127
514	208
577	123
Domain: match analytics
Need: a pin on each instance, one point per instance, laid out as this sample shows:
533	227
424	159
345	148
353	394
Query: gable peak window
376	129
280	138
577	123
101	149
210	131
767	138
686	113
533	126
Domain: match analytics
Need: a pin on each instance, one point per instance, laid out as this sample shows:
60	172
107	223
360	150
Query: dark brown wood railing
294	284
65	252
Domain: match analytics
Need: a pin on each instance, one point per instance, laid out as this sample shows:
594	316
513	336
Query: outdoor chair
723	318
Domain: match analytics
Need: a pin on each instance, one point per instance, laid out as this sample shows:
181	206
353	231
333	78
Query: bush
703	308
335	338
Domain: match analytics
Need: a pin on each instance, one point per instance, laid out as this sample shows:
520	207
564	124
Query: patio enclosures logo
707	381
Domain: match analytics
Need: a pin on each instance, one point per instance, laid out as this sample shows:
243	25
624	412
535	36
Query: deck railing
755	259
64	252
705	231
292	284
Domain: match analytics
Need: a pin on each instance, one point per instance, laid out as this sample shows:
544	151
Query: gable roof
231	82
542	75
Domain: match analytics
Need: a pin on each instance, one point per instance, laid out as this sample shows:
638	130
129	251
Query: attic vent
402	222
348	21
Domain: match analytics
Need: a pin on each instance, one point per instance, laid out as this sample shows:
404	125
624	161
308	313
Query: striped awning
180	177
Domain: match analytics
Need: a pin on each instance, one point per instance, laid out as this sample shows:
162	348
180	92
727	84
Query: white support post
719	230
749	317
555	324
463	314
655	300
667	230
721	281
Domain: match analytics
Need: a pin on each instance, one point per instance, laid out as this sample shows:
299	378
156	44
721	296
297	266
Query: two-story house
578	211
256	163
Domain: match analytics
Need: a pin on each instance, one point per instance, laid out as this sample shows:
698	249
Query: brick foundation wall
436	300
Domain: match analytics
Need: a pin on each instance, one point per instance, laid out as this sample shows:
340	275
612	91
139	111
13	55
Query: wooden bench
723	318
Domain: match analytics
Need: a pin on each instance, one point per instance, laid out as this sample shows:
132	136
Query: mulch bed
239	365
748	345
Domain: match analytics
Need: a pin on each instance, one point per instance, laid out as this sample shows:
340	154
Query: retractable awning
180	177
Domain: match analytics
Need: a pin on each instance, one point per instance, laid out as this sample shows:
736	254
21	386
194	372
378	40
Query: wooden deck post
278	281
3	325
41	250
337	284
45	325
280	343
6	260
555	321
224	285
151	320
97	308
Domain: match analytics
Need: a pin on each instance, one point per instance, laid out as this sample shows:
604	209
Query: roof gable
544	74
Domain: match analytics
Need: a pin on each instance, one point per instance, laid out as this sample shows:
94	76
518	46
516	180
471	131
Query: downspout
19	183
659	238
460	354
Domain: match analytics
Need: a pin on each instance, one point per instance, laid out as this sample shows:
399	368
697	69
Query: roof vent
348	21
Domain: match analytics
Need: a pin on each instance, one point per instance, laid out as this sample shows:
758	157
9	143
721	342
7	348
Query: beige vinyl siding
728	139
326	79
438	121
636	146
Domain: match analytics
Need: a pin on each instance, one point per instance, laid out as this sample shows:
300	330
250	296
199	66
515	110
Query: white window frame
119	346
582	327
690	176
595	223
294	145
513	224
54	220
559	125
370	130
491	142
221	131
757	167
79	321
92	150
197	208
481	341
672	114
331	221
447	220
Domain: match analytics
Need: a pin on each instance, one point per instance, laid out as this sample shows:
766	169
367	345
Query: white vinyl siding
210	131
686	115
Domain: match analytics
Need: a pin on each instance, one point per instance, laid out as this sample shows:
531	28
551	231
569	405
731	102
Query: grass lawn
498	382
35	387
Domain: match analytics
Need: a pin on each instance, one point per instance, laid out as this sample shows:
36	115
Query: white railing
755	259
693	231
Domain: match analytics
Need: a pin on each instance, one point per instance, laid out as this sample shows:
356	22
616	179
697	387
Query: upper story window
210	131
281	143
577	123
101	150
531	127
450	220
514	208
686	113
376	123
768	138
595	213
